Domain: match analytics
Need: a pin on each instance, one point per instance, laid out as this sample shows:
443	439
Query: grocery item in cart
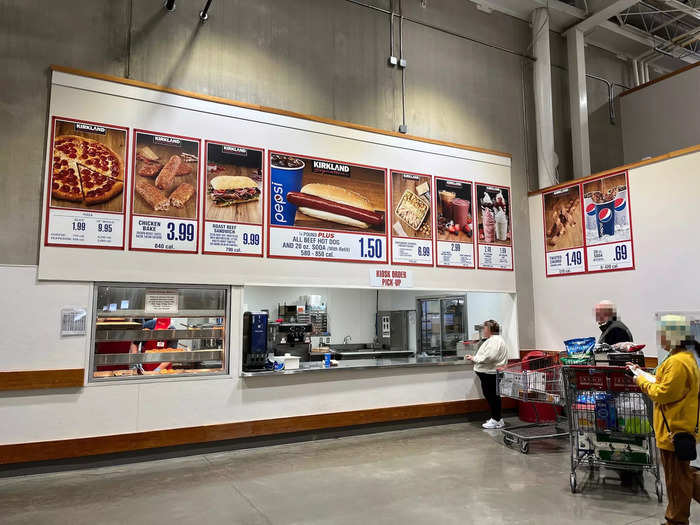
605	413
579	351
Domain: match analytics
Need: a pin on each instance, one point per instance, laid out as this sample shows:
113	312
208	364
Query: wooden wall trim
91	446
267	109
625	167
659	79
40	379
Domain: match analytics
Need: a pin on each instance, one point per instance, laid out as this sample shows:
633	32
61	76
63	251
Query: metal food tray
408	195
159	357
102	336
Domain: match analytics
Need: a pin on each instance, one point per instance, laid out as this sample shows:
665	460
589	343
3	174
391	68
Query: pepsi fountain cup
621	207
285	175
589	209
605	217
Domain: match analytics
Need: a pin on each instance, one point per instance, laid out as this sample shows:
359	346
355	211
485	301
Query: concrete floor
454	473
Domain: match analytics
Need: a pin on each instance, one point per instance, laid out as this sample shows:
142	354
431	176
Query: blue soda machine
254	340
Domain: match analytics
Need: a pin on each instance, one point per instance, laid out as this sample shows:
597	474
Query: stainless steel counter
366	364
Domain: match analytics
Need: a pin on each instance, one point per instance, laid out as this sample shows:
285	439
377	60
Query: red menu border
473	243
199	200
204	195
583	225
432	220
267	218
49	173
629	216
512	231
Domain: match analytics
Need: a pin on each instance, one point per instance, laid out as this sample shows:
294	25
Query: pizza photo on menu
87	166
165	176
234	184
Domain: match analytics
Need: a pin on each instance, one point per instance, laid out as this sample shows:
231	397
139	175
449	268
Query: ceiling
666	33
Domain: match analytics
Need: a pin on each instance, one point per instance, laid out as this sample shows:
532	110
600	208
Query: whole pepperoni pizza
84	170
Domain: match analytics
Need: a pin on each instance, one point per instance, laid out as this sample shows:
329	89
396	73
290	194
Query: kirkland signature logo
330	168
90	128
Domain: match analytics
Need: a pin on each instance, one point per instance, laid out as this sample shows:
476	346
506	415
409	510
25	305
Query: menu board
86	174
233	203
495	246
326	209
164	195
454	238
587	227
411	219
564	243
609	233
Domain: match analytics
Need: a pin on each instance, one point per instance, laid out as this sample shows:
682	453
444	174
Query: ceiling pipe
204	13
169	5
635	72
542	83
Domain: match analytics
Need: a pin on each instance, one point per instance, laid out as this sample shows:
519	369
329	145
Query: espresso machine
291	338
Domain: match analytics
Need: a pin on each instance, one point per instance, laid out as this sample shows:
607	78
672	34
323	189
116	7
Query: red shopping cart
536	381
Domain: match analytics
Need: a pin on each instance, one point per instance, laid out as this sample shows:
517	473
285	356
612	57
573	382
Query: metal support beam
544	118
601	16
684	8
578	102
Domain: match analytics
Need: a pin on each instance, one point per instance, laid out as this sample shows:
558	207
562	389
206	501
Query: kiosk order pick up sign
326	210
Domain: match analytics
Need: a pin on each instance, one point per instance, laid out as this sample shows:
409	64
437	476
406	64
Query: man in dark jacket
612	330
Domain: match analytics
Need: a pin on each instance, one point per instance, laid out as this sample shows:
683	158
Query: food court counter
365	364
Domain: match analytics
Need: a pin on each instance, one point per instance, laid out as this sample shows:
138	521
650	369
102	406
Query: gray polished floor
446	474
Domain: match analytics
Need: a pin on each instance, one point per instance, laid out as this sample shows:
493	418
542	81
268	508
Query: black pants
488	385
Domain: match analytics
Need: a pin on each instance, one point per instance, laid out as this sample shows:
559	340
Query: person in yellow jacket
674	391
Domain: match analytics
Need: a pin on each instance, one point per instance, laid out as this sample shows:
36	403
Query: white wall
32	313
667	251
350	311
662	117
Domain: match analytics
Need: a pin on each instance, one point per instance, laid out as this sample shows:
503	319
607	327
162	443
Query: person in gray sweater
492	355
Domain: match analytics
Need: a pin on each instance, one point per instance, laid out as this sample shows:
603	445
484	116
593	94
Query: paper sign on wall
390	278
161	301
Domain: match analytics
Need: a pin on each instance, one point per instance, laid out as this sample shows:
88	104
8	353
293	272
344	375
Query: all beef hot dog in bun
336	204
227	190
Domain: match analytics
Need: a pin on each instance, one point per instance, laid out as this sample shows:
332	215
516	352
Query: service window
158	331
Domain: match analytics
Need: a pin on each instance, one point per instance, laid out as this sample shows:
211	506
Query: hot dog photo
234	184
313	193
166	168
410	204
493	203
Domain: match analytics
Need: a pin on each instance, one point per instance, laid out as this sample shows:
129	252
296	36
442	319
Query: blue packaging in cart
605	412
580	345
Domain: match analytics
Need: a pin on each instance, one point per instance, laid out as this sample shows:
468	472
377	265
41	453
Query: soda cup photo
605	218
590	211
621	213
286	175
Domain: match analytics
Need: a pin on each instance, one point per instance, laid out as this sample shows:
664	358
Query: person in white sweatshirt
492	354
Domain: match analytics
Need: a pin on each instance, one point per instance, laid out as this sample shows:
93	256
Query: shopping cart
534	381
610	422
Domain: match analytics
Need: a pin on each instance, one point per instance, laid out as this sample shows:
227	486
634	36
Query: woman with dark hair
674	391
492	354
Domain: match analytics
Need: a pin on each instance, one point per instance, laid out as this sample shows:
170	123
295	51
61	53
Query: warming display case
158	331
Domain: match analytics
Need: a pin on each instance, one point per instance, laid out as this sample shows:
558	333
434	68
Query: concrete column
544	118
578	102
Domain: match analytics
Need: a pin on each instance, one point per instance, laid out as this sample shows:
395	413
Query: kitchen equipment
254	340
293	339
290	362
392	329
